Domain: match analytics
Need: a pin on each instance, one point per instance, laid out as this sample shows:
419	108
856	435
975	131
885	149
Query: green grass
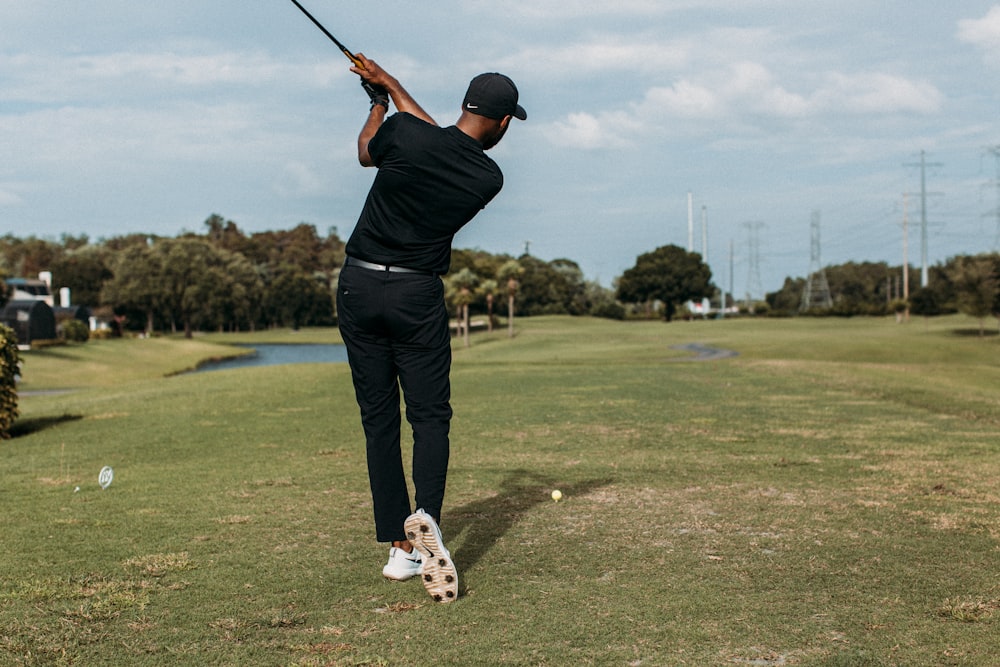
828	497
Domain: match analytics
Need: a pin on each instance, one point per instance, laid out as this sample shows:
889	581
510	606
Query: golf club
347	52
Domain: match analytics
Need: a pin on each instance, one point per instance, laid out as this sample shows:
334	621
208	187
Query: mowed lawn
827	497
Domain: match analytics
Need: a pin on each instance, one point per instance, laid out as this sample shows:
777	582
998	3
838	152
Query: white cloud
684	99
586	131
568	10
47	79
565	10
749	86
877	93
604	54
984	33
298	179
648	53
745	94
8	197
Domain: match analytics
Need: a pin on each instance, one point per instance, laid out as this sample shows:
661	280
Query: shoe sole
440	577
404	577
400	575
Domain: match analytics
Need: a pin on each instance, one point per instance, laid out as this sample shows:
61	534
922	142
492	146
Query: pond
274	354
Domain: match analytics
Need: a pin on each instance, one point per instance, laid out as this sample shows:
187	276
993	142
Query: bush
612	311
9	368
75	331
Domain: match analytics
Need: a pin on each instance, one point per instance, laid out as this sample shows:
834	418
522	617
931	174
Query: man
430	182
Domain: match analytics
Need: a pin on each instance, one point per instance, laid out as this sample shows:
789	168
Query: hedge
9	370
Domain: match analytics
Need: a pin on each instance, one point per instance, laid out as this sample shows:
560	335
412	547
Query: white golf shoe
402	565
438	574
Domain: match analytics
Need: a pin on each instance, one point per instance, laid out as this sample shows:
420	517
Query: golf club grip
353	58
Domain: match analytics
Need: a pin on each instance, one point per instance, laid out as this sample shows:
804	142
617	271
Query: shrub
75	331
9	368
611	310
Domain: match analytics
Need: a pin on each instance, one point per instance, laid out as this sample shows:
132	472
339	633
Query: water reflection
274	354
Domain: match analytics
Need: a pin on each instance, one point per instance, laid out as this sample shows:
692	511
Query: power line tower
754	285
817	291
995	151
923	164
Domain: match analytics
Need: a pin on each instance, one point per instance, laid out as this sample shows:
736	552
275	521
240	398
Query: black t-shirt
430	182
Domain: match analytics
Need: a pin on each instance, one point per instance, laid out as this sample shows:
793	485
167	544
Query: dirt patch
703	352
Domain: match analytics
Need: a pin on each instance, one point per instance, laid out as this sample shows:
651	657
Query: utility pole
704	233
906	253
995	151
923	164
690	222
730	278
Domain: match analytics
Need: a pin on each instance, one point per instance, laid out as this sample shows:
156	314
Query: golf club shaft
347	52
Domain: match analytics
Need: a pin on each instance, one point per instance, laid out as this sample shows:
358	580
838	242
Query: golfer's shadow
483	522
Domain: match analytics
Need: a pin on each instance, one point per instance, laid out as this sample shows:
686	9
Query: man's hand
377	77
372	74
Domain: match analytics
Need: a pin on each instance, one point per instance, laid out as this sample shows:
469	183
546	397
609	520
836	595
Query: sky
121	117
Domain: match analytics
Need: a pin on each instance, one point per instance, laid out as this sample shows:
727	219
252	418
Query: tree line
224	279
969	284
227	280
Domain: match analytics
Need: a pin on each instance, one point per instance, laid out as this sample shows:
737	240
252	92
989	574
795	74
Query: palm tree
508	275
460	288
488	289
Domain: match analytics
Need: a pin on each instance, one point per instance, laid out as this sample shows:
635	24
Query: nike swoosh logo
471	106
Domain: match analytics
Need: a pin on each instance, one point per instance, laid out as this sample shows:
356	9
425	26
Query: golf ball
556	495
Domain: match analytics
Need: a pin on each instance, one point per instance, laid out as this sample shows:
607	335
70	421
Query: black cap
494	96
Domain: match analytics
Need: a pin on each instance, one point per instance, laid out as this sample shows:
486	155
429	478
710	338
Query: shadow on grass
975	333
484	522
24	427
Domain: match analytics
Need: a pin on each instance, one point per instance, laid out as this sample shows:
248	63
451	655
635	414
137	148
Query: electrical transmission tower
754	285
817	291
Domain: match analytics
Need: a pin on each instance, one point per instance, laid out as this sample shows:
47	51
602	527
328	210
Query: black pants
395	327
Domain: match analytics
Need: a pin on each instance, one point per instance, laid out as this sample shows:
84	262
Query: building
28	289
31	320
30	310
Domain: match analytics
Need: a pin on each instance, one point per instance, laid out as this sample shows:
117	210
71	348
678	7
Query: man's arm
375	118
375	75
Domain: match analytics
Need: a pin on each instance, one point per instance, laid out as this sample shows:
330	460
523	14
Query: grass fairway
827	497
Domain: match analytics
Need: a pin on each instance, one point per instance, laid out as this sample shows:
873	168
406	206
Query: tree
508	275
185	282
460	288
548	288
26	258
859	288
236	301
977	286
296	298
601	302
788	299
134	288
84	271
669	274
488	290
226	235
190	273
